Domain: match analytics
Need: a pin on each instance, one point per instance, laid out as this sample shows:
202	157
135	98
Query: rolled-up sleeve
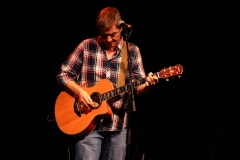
137	64
70	68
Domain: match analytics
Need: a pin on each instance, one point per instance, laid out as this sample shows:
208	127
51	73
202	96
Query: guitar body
80	125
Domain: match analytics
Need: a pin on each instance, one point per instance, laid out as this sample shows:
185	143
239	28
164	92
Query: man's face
111	37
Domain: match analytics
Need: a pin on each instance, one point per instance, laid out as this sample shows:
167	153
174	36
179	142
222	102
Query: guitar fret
122	89
112	94
100	97
118	91
104	96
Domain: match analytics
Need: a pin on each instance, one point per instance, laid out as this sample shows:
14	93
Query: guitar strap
123	66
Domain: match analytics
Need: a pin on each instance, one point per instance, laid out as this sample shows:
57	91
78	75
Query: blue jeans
102	146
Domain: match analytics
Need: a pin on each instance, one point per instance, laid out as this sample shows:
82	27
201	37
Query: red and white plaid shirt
88	64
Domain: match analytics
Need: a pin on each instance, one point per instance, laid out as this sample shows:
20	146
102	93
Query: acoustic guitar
78	120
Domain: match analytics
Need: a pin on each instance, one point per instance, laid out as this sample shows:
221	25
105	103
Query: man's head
106	18
107	25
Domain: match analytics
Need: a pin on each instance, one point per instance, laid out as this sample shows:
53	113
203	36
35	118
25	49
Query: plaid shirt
88	64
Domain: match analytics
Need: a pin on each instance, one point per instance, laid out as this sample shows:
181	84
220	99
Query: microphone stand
130	106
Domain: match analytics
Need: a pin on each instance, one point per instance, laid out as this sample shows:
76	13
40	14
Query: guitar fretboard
119	90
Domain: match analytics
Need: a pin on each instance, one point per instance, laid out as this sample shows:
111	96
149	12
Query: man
95	59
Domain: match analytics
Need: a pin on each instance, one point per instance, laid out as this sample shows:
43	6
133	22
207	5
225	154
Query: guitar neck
164	73
117	91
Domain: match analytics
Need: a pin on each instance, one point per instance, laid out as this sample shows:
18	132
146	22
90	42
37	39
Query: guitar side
74	124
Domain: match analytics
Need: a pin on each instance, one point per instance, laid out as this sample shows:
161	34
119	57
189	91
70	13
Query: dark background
193	117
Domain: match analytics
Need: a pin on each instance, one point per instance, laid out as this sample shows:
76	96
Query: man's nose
109	39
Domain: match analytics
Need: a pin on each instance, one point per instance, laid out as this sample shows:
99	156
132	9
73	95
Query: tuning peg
167	79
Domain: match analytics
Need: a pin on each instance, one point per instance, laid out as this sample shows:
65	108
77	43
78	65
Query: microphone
122	24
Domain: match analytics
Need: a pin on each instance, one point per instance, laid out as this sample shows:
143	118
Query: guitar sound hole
80	110
96	100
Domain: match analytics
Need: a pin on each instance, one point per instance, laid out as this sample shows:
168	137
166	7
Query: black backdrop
187	113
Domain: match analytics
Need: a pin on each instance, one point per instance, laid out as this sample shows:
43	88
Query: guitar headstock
171	71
